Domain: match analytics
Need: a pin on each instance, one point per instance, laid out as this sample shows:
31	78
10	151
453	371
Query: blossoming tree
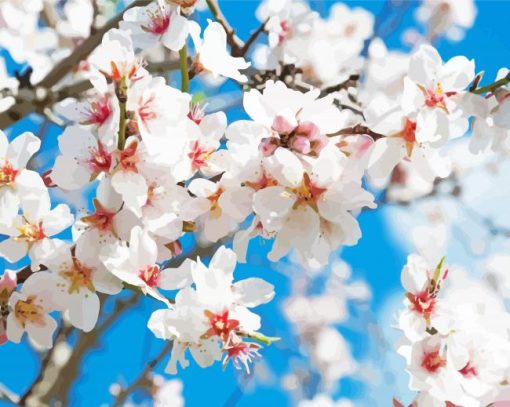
154	191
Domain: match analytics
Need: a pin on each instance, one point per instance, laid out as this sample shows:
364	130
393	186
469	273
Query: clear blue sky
376	259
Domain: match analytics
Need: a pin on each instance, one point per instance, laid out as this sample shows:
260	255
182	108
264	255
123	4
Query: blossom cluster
160	169
455	336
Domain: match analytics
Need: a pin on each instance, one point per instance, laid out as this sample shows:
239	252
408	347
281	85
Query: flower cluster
331	116
456	339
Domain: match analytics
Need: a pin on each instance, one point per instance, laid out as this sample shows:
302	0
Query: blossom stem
121	92
183	56
493	86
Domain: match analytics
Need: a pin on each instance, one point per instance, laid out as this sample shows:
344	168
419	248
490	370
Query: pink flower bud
301	144
268	145
284	123
7	284
308	129
319	143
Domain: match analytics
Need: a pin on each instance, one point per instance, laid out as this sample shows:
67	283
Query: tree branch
253	37
358	129
38	99
493	86
64	374
142	378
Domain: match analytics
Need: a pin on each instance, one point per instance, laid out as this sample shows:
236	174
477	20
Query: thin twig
350	82
358	129
143	376
493	86
253	37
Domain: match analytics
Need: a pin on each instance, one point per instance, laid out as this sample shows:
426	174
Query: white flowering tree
154	191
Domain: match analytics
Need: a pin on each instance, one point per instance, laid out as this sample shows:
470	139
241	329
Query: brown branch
143	378
83	51
37	100
253	37
65	374
350	82
48	367
359	129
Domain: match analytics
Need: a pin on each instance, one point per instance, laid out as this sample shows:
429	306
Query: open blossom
157	22
79	275
205	316
200	153
83	158
30	308
431	92
114	60
311	210
137	265
400	143
159	127
15	180
101	112
109	222
424	311
212	54
225	205
31	233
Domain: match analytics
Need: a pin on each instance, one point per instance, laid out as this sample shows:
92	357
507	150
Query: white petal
253	291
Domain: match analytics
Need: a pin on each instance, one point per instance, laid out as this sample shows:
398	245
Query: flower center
7	174
199	155
263	182
100	160
432	361
31	233
101	219
468	371
220	325
422	302
159	22
308	193
27	311
98	112
150	275
79	276
129	159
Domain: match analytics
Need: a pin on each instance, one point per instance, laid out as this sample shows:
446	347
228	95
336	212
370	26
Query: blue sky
377	259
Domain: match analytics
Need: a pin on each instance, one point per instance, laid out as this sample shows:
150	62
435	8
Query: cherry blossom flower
114	60
212	54
29	310
31	232
157	22
83	159
321	199
211	312
15	180
79	276
431	90
101	112
136	265
225	205
203	139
